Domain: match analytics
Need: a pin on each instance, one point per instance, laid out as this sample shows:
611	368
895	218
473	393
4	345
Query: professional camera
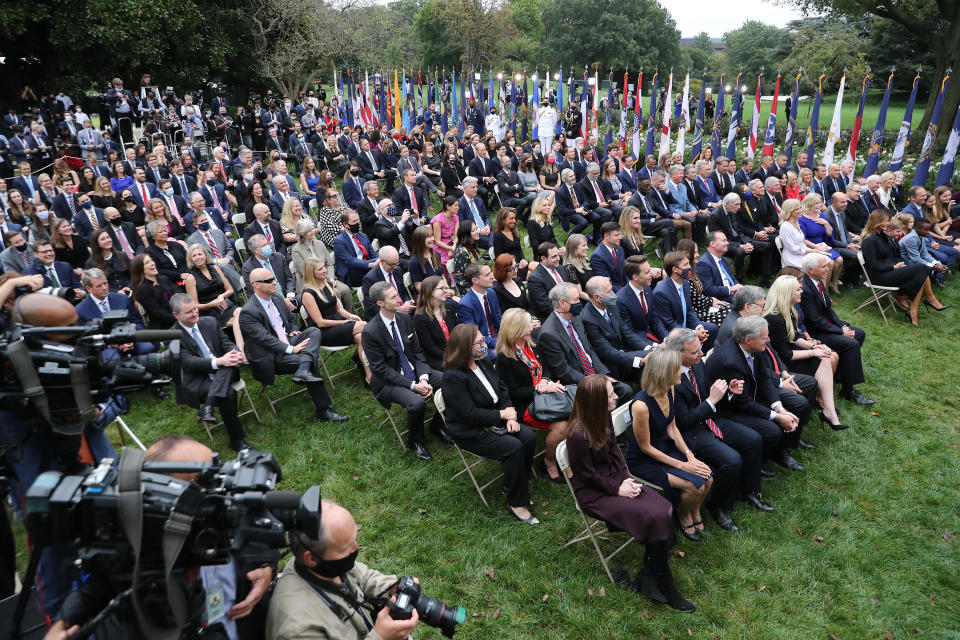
432	612
113	510
64	382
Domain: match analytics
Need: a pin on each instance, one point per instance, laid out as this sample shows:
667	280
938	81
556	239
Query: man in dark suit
565	350
823	324
619	348
673	302
279	197
353	254
608	259
472	208
485	170
819	176
366	206
723	182
372	165
354	188
628	175
856	212
801	163
390	271
733	451
407	161
273	346
88	218
142	190
749	300
155	173
26	183
572	160
214	195
276	142
834	182
55	273
209	365
99	300
399	372
654	208
64	204
124	234
742	175
479	304
394	229
752	399
512	193
714	272
844	241
183	185
263	257
739	244
570	204
764	171
408	197
545	277
634	300
594	201
265	226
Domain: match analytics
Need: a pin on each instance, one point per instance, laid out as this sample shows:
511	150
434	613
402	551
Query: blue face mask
204	226
747	195
168	191
88	205
267	251
210	183
43	215
575	309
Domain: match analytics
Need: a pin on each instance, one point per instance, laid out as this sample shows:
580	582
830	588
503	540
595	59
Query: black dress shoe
442	434
788	461
755	501
329	415
206	414
695	537
305	377
421	451
724	520
765	473
855	396
160	392
239	445
803	444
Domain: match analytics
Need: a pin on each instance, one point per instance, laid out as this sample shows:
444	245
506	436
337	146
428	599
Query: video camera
64	381
125	518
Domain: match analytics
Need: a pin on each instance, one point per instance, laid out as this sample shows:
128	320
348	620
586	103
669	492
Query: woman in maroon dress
605	490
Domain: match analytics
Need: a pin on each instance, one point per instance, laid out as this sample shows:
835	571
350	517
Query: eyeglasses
267	281
514	268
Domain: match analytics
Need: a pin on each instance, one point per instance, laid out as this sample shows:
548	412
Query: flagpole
755	120
771	132
718	117
923	165
792	118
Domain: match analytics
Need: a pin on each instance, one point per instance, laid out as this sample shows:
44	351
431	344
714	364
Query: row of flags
369	99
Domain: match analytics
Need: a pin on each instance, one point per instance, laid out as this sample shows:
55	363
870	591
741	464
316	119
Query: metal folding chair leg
270	401
468	469
326	354
122	427
242	392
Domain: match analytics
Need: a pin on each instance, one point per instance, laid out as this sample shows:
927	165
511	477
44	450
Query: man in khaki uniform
321	591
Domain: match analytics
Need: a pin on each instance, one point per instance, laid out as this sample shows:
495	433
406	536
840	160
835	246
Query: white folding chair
241	248
242	393
408	283
375	244
622	422
467	466
492	256
589	524
778	241
238	219
389	418
878	293
123	428
327	352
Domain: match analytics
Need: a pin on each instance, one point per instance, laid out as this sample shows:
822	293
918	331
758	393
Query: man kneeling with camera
325	593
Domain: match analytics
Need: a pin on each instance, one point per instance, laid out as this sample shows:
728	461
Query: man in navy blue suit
100	300
143	191
634	301
472	208
55	273
83	220
213	194
628	175
26	183
479	305
353	254
353	191
619	348
673	304
714	272
608	259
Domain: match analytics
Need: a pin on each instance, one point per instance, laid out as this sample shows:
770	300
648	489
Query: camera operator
29	446
321	592
233	590
123	108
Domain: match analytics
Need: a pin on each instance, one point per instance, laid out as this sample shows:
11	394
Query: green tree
831	47
754	46
935	25
703	42
467	34
614	34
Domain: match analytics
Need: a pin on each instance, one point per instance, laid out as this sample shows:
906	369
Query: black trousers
850	368
851	265
514	451
599	215
698	226
415	405
663	229
724	461
770	432
292	362
749	444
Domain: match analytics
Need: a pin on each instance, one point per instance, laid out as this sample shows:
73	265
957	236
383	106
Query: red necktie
266	232
213	246
616	262
596	189
363	249
413	201
643	302
710	423
822	295
146	198
490	324
556	276
588	369
776	367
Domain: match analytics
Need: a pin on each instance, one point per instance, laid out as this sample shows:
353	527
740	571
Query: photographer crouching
325	593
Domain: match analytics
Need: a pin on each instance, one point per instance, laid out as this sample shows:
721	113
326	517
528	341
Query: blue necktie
683	305
843	233
405	367
204	351
476	215
726	272
753	371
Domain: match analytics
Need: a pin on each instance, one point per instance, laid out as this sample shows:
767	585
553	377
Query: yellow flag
396	100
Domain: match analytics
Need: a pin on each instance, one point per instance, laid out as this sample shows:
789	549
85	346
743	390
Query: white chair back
563	460
621	419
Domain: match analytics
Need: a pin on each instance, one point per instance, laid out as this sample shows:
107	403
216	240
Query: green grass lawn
863	544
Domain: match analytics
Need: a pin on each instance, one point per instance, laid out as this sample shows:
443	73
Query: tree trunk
947	50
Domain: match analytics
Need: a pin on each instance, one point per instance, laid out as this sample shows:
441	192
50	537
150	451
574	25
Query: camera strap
19	355
130	509
345	591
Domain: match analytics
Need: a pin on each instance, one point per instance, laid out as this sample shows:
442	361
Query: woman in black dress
254	197
452	175
800	354
576	261
631	234
702	302
338	327
152	290
68	246
434	319
424	261
540	223
603	487
506	239
212	291
169	256
508	287
130	211
108	259
884	265
103	195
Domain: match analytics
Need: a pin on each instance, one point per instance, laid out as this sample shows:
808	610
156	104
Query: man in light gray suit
18	255
217	245
90	139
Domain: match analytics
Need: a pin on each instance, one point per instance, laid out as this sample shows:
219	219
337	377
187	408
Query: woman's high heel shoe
835	427
942	307
906	314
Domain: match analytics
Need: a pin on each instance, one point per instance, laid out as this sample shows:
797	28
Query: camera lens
437	614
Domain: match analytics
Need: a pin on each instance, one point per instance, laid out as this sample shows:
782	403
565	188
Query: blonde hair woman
791	236
631	234
520	369
212	291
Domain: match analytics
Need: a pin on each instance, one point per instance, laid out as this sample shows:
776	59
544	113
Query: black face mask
128	199
22	248
336	568
355	172
354	228
116	221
